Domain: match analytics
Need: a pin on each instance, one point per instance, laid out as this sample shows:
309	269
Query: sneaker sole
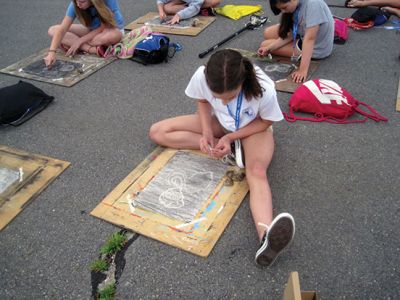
279	236
239	155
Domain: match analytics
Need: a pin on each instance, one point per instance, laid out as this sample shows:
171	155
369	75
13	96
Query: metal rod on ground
255	22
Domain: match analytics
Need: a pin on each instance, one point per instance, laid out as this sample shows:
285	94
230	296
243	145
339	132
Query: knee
156	133
271	32
52	29
215	3
256	170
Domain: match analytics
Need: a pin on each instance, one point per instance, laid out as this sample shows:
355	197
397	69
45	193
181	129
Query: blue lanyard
238	107
295	24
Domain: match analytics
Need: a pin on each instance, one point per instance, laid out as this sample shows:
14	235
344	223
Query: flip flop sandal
101	51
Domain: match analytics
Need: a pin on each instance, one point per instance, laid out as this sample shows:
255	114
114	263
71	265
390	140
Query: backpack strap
374	115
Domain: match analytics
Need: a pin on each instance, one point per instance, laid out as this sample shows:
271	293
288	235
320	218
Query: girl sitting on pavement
236	102
306	31
102	25
183	9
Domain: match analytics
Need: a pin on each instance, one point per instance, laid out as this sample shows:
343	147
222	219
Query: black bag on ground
20	102
369	13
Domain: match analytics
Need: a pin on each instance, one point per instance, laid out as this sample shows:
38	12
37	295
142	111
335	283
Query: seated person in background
184	9
306	30
390	6
101	25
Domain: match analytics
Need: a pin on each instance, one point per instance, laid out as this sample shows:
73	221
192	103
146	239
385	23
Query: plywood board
197	236
279	69
66	72
398	98
152	19
23	176
292	290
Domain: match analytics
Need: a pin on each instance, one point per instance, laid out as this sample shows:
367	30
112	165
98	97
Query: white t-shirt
266	107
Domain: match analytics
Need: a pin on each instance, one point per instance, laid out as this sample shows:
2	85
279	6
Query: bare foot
357	3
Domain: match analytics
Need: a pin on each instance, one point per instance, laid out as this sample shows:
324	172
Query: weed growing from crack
114	244
108	292
99	265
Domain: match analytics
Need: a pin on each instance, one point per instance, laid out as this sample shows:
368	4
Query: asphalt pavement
340	182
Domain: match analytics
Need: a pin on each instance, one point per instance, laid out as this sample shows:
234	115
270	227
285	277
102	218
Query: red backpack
341	32
328	102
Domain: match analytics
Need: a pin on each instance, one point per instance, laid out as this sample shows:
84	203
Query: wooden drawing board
202	23
85	66
292	290
398	98
34	174
286	84
198	236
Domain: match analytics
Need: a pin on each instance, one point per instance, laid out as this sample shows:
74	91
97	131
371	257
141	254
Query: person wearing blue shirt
183	9
101	25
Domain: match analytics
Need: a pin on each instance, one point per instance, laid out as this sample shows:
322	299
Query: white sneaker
239	154
277	237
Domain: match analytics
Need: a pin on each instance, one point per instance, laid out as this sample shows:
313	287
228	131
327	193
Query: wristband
52	50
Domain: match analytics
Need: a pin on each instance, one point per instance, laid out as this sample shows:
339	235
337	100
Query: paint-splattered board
34	173
84	65
198	236
398	98
202	23
282	84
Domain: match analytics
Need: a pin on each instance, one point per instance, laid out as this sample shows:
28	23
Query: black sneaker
278	236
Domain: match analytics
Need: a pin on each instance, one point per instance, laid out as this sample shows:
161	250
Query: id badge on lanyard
295	58
236	117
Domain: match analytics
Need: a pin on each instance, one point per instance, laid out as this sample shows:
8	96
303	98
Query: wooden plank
202	23
292	290
36	173
398	98
91	64
196	237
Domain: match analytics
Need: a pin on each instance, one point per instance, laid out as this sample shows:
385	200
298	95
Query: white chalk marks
182	186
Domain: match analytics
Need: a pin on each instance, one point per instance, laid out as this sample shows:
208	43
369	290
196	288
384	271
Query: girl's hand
74	48
223	146
263	51
207	144
162	15
50	59
299	76
174	20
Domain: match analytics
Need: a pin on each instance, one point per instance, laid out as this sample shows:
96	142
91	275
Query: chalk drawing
158	22
61	69
182	186
277	71
7	178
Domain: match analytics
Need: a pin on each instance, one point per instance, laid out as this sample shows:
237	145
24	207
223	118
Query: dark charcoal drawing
182	24
7	178
60	69
183	185
276	71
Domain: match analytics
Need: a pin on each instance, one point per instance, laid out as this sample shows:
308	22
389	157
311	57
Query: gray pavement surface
340	182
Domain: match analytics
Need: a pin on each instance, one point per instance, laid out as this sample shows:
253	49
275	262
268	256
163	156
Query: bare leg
271	36
210	3
171	8
259	149
183	132
392	10
380	3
